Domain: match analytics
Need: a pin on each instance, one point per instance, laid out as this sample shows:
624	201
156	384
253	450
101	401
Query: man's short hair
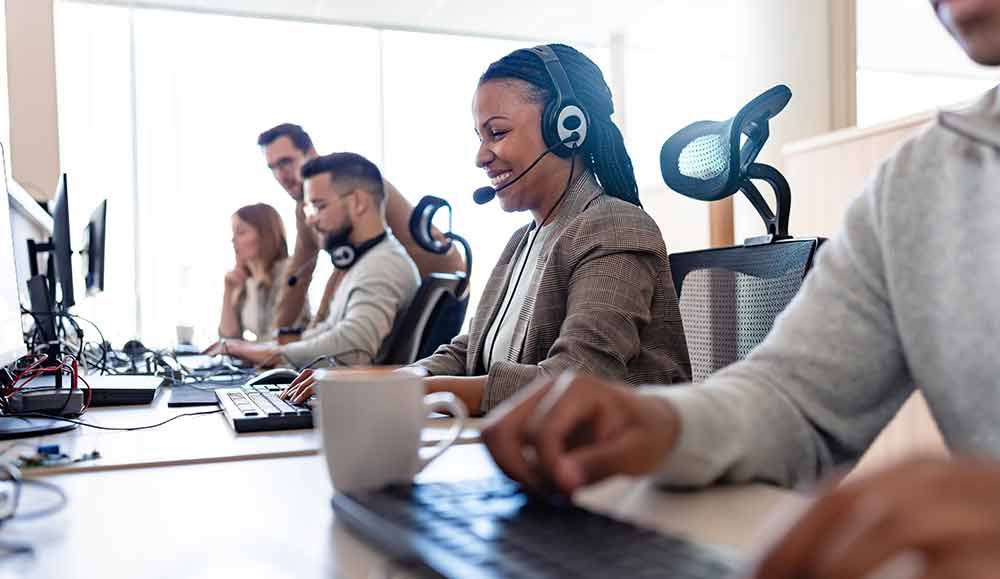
298	135
348	171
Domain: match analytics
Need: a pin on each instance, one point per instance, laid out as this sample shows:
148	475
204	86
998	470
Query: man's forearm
292	297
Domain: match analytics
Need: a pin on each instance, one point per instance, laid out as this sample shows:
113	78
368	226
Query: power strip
48	400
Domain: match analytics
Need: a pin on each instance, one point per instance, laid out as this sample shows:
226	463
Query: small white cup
371	420
185	334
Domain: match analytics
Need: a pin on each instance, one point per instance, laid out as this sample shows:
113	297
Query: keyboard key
503	532
261	402
280	404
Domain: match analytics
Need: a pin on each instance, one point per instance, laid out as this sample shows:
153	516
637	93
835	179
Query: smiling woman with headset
586	285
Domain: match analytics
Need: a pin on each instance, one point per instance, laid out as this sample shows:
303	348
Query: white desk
192	439
272	518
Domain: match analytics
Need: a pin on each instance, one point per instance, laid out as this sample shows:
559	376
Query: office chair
437	311
730	296
434	317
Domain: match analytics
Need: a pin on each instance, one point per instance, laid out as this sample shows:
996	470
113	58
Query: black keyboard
255	408
491	528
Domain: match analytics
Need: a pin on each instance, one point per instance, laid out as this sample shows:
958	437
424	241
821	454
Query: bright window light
916	70
202	86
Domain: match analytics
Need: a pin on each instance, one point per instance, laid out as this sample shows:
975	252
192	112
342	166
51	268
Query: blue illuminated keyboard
492	529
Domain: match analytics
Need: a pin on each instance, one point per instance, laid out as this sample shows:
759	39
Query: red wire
31	367
33	371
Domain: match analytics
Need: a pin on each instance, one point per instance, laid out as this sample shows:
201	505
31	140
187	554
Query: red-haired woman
251	288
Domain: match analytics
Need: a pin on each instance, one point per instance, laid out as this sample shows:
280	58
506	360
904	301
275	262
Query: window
682	77
199	105
921	70
160	110
92	59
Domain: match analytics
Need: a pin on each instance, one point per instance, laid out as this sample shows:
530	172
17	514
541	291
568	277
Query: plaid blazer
602	303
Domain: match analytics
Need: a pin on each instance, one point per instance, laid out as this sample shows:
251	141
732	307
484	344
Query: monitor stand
24	427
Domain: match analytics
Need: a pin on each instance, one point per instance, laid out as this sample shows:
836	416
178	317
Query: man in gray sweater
904	297
345	201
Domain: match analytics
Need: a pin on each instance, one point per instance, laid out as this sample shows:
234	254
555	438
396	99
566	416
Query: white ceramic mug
371	422
185	334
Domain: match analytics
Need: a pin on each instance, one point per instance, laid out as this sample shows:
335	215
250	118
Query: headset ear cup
563	117
572	119
343	256
550	129
551	133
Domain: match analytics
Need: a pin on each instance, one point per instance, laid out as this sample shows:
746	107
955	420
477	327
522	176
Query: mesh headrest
706	160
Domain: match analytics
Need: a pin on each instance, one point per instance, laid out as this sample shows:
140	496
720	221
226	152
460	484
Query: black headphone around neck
563	114
345	254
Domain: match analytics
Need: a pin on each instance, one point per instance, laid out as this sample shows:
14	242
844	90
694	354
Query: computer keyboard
491	528
255	408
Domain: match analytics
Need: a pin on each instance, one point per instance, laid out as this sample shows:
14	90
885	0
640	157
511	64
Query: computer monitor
93	249
62	249
42	310
12	346
11	342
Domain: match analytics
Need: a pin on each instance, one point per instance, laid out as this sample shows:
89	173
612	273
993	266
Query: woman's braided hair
604	150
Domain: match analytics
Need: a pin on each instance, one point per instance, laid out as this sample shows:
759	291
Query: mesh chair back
730	296
434	317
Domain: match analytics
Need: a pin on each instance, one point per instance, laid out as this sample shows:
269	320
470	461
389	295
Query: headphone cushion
550	129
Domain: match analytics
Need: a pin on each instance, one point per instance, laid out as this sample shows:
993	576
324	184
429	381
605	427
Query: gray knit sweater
373	292
906	296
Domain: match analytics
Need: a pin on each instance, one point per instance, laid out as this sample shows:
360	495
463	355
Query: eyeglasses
313	209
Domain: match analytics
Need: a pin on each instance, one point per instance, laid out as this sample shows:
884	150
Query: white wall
789	43
4	103
27	221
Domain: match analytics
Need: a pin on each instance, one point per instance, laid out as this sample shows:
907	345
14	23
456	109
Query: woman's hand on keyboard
576	430
301	389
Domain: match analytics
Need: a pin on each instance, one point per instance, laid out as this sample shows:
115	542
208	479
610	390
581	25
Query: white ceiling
581	21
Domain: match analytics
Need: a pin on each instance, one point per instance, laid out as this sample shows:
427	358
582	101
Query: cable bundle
29	367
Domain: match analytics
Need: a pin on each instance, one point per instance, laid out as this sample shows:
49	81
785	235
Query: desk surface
192	439
271	518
